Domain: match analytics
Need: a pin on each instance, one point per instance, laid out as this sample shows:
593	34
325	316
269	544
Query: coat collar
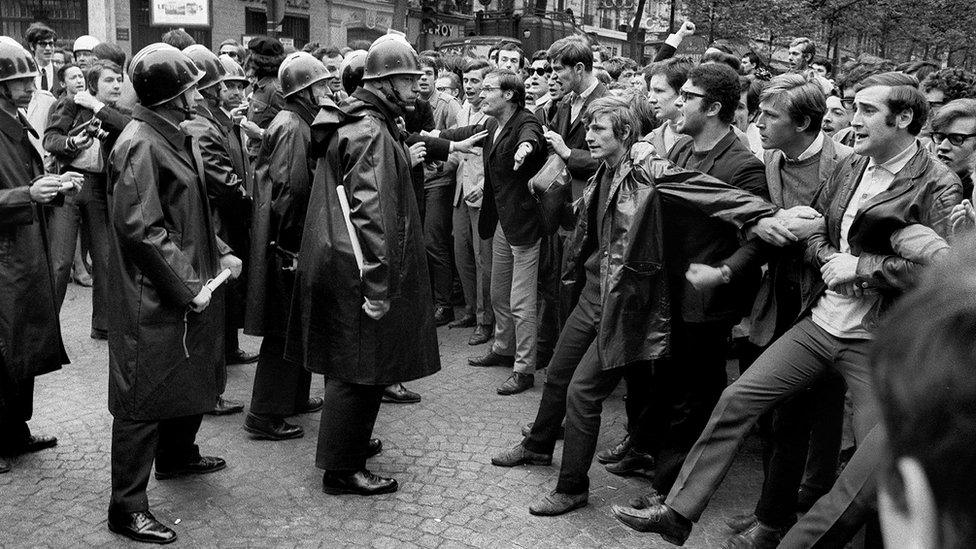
167	129
718	150
302	108
374	101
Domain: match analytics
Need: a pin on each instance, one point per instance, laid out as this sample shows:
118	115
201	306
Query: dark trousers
684	391
550	315
804	438
438	219
16	408
792	363
280	386
136	444
347	424
89	211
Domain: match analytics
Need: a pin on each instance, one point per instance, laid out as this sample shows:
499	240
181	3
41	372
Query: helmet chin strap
185	108
394	97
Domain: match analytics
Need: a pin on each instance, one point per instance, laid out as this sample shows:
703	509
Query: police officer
225	191
30	336
371	326
282	180
166	325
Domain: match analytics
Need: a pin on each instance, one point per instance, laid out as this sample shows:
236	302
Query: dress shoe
481	334
527	429
226	407
615	454
756	536
36	443
518	455
466	321
100	335
399	394
443	315
314	404
141	526
739	523
492	359
4	466
516	383
373	447
362	483
661	519
240	357
634	463
557	503
649	499
200	466
262	428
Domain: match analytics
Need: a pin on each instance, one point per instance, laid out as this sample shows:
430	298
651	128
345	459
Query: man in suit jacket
514	152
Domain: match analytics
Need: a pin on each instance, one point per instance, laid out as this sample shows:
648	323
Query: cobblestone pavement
270	495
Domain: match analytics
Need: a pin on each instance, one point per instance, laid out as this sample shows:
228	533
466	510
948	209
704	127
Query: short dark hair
753	58
37	32
675	71
918	69
825	63
569	51
512	46
111	52
428	61
540	55
95	72
720	84
855	71
179	39
615	66
64	68
923	366
904	95
477	64
724	58
509	81
722	47
954	83
952	111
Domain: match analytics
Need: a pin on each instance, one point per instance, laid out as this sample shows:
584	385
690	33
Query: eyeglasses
686	95
443	88
541	71
955	139
490	88
46	43
229	53
847	102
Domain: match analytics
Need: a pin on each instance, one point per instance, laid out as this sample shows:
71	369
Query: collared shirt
540	103
813	149
471	169
576	105
49	70
840	315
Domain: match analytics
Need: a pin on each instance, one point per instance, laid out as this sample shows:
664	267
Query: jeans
472	254
514	283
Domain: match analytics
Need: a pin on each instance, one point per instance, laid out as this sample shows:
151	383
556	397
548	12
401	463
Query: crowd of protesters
582	215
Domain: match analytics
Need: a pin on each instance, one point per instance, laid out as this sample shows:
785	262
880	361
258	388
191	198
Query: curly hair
954	83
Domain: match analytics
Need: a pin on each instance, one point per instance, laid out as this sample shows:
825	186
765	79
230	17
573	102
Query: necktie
44	79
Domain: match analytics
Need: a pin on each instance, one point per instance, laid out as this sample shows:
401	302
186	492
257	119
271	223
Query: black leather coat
30	334
329	331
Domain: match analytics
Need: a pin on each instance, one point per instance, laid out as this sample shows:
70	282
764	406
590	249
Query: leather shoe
634	463
362	483
373	447
516	383
226	407
262	428
314	404
4	466
518	455
649	499
481	334
492	359
739	523
443	315
615	454
200	466
466	321
557	503
399	394
36	443
527	430
756	536
661	519
141	526
240	357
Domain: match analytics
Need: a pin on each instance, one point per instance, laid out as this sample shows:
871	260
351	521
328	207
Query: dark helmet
15	61
300	70
160	72
233	71
351	70
206	60
391	55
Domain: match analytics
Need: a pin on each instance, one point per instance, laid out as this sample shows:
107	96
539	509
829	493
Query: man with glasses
954	137
537	84
40	42
448	84
232	49
943	86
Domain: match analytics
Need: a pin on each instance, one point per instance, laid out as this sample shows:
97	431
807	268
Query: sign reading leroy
180	13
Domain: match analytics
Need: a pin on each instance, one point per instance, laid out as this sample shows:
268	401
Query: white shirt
576	105
49	69
471	170
840	315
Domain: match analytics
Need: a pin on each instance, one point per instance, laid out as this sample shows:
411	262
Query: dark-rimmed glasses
955	139
686	95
